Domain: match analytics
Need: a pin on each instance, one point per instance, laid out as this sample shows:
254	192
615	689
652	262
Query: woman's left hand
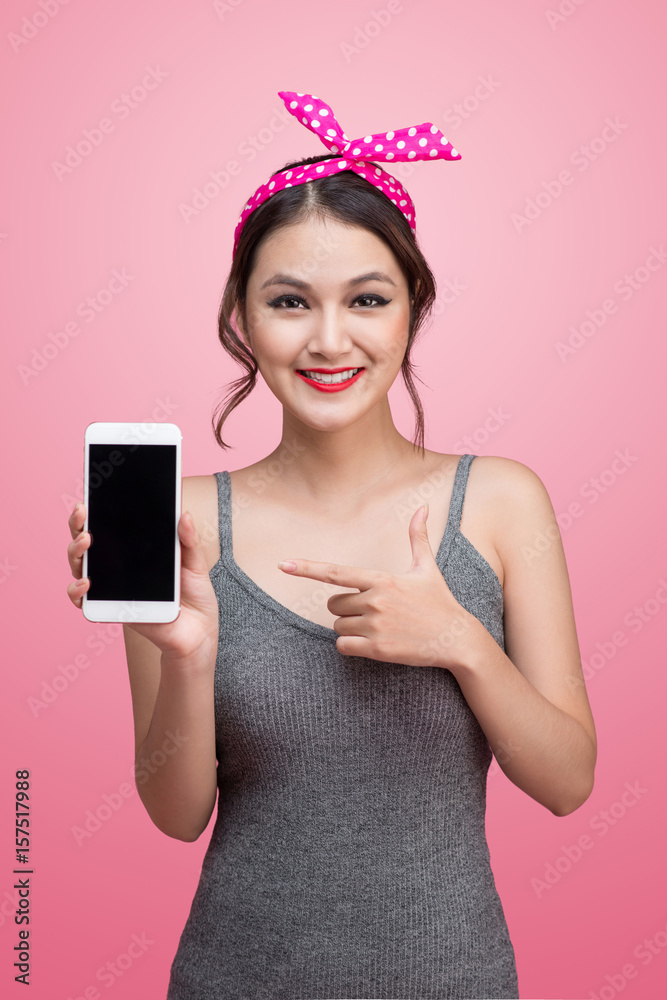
411	618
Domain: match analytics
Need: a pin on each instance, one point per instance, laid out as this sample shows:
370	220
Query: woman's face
327	296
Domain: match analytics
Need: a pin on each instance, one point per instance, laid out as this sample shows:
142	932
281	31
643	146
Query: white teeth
338	377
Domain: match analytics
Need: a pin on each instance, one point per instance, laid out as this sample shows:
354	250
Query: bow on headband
418	142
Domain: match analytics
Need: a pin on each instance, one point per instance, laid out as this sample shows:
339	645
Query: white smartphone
132	490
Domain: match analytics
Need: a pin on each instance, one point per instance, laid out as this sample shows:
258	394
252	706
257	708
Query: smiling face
324	297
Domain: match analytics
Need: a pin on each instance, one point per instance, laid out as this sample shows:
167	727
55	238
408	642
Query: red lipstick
330	386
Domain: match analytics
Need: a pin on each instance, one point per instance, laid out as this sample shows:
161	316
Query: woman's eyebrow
286	279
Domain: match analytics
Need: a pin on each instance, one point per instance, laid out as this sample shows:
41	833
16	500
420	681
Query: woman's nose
330	335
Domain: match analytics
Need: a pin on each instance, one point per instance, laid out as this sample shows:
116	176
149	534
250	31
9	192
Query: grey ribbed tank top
348	858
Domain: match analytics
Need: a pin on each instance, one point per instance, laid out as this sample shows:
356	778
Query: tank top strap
224	512
456	503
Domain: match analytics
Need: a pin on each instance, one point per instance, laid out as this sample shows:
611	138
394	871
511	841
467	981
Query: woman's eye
375	299
285	300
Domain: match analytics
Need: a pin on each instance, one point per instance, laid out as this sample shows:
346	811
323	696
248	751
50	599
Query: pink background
509	293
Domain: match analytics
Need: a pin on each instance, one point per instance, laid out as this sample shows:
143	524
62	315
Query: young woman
345	660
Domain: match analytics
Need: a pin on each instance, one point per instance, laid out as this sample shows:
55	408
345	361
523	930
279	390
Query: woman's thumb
191	553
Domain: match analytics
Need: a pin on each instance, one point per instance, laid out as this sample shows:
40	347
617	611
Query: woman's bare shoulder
506	480
518	505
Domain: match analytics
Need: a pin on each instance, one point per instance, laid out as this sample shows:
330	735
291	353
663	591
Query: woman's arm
172	669
174	725
531	700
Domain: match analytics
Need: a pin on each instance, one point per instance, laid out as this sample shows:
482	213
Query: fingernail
425	514
287	565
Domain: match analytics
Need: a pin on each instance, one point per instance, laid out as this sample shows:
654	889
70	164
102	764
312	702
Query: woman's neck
341	466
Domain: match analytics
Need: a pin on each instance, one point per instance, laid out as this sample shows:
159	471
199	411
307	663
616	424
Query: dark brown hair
351	200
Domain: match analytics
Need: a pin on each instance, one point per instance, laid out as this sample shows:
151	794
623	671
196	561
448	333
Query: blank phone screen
132	520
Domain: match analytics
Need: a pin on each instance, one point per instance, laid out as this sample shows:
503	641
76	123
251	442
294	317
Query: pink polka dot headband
419	142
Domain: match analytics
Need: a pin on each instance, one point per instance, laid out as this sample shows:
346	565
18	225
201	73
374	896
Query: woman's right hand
195	631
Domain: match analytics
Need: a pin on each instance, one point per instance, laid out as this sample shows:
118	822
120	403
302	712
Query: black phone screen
132	520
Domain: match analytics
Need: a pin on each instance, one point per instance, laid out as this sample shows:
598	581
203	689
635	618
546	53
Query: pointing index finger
326	572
